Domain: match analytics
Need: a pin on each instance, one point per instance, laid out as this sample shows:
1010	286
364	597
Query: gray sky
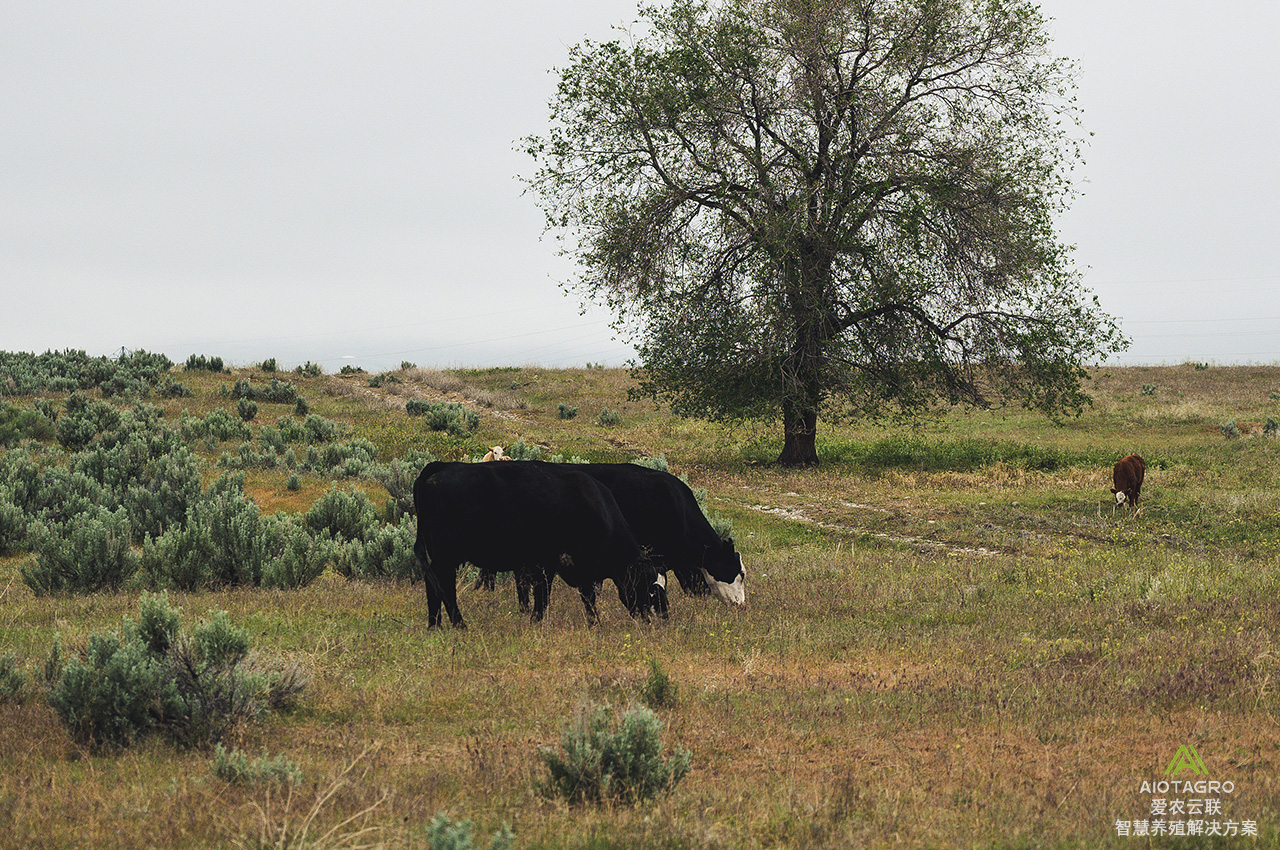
336	182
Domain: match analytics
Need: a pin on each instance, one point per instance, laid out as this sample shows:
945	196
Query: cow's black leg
541	581
434	597
525	581
486	580
442	587
588	594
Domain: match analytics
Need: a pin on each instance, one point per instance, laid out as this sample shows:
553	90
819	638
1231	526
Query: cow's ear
1114	491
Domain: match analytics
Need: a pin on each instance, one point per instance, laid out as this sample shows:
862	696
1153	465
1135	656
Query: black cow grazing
665	518
1128	475
524	518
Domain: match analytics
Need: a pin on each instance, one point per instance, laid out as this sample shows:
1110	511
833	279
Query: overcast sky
337	182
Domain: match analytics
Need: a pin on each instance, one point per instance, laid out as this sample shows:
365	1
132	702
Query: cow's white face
735	593
1120	498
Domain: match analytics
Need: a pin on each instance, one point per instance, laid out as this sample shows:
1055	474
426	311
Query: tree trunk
800	431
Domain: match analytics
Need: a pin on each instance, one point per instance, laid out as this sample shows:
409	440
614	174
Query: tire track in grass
797	514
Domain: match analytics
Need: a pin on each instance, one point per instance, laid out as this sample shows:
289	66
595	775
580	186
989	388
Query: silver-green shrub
13	523
247	409
598	763
151	677
13	682
225	543
87	553
235	767
447	416
299	556
386	552
444	834
343	513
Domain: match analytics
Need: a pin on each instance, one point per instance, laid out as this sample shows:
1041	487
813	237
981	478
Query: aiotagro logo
1186	759
1186	806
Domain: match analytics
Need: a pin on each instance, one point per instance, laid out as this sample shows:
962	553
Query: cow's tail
420	542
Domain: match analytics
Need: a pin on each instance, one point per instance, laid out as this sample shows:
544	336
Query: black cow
665	518
525	518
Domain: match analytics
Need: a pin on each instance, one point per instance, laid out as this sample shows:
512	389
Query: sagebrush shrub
225	542
112	693
386	552
564	411
150	677
17	424
520	450
13	523
609	418
87	553
317	429
299	557
200	363
170	388
447	416
343	513
597	763
83	420
276	391
399	477
247	409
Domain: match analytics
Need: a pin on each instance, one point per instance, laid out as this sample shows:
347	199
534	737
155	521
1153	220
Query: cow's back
500	514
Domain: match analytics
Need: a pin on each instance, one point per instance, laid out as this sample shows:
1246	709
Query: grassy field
950	640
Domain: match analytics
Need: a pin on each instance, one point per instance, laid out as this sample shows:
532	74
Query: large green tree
799	206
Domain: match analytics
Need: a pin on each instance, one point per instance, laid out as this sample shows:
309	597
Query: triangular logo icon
1186	759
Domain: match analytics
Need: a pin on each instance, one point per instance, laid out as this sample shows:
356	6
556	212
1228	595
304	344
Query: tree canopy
799	206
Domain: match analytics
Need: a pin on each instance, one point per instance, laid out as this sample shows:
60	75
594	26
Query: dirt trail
800	512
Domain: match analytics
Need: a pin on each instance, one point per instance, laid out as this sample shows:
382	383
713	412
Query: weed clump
598	764
658	691
13	682
444	834
234	766
564	411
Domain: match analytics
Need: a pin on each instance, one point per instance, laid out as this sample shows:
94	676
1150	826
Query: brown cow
1128	476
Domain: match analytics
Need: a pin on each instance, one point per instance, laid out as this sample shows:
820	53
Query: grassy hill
951	639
